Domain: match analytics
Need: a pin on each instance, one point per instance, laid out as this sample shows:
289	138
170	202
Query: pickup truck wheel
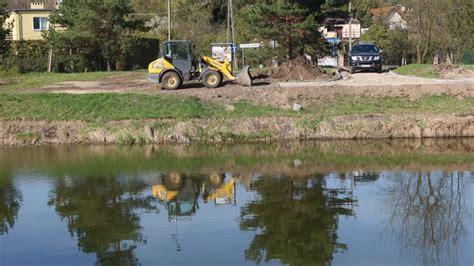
212	79
171	81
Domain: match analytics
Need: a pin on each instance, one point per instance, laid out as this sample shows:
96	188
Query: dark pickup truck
365	56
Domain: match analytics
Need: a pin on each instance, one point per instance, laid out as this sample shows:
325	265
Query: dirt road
286	94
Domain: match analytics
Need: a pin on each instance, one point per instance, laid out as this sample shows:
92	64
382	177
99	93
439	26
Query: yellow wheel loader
177	63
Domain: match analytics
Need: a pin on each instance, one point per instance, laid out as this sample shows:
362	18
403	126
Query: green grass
394	105
108	107
418	70
9	74
35	80
469	67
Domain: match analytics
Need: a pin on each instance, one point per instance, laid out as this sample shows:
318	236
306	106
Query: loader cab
180	54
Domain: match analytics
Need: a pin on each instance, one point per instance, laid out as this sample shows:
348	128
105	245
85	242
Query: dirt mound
452	71
298	69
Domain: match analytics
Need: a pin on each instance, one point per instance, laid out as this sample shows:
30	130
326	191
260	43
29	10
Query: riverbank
249	129
124	110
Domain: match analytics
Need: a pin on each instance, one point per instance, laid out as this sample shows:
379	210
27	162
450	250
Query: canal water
314	203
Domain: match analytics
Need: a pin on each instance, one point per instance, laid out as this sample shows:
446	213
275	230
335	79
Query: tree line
115	34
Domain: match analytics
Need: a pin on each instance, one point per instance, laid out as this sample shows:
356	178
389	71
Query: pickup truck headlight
354	58
376	58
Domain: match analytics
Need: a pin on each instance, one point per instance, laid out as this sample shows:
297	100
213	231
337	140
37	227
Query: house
341	28
29	18
394	16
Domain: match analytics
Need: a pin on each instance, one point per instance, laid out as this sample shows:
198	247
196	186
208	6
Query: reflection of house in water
180	192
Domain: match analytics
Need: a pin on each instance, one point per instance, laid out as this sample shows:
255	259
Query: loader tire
171	81
212	79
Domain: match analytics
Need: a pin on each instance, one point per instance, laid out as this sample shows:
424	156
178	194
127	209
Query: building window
40	24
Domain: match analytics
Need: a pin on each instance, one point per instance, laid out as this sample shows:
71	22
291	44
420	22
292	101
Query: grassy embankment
424	70
21	101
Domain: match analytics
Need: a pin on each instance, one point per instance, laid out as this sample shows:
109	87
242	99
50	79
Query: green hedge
32	56
28	56
467	58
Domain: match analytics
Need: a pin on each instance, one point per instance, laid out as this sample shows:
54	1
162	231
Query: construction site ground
285	94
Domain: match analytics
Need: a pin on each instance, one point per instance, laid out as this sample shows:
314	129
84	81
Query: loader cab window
176	50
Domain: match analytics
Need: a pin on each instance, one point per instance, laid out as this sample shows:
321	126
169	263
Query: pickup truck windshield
365	49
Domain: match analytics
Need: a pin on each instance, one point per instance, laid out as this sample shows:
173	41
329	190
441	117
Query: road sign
333	40
234	49
250	45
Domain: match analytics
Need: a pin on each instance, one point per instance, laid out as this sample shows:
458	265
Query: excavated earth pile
299	69
452	71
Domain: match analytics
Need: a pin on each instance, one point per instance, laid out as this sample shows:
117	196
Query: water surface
316	203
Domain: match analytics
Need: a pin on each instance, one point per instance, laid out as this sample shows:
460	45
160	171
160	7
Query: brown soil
7	81
451	71
299	69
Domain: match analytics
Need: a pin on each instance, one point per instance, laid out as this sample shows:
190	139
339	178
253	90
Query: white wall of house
396	21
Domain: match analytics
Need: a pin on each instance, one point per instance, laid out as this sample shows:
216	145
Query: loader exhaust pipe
244	77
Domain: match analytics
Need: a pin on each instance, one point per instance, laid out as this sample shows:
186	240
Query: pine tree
287	22
95	25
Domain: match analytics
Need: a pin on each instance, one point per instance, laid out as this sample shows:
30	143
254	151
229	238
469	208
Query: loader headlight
159	65
354	58
376	58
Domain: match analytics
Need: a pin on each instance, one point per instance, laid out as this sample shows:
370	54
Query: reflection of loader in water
181	192
219	191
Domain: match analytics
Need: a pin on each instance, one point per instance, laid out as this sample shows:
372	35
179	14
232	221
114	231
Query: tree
428	215
393	42
287	22
455	28
421	24
5	31
102	213
104	26
10	203
297	222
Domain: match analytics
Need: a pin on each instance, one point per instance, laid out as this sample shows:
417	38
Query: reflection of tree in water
101	212
297	220
428	214
10	203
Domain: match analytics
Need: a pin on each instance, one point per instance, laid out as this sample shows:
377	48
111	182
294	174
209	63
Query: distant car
365	56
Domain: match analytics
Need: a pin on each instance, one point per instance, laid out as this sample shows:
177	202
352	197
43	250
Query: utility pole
350	25
232	31
169	20
228	21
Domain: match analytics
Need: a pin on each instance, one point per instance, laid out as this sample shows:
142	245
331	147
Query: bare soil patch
452	71
115	85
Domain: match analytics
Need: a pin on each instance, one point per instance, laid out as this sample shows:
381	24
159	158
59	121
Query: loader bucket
244	77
